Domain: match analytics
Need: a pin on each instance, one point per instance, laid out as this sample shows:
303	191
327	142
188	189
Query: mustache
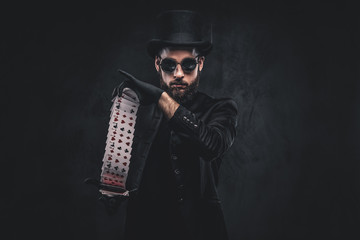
178	82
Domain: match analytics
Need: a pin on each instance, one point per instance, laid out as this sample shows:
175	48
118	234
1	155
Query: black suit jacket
209	124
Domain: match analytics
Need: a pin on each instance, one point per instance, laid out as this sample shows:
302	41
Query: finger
128	75
117	90
92	181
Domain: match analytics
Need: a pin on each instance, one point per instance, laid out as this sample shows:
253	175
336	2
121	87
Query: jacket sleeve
214	136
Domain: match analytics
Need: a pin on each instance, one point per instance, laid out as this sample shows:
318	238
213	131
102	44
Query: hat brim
155	45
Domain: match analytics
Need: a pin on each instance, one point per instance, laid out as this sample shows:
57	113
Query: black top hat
180	28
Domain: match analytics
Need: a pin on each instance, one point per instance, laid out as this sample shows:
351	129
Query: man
182	136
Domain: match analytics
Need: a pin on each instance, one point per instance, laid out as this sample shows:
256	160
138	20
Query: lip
179	85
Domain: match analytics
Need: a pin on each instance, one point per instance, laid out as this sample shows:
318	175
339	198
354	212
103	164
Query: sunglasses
187	64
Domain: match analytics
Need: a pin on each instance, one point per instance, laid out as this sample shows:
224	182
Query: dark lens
188	64
168	65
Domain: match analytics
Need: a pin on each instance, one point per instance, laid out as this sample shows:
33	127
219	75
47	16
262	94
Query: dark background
293	69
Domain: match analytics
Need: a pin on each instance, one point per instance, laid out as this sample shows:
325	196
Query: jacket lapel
147	124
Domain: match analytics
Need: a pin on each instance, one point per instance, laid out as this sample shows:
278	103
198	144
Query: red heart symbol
117	113
119	100
130	124
118	154
112	139
114	132
122	121
122	176
109	158
111	151
131	118
124	116
125	157
120	141
116	119
124	163
128	143
128	137
116	161
121	135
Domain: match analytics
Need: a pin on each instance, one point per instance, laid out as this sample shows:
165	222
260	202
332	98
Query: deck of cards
119	141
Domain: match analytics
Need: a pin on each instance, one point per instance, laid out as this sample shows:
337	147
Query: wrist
167	105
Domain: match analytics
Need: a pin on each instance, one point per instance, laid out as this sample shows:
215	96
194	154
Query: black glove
118	89
111	203
147	93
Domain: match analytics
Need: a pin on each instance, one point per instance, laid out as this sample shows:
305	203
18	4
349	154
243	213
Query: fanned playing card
119	141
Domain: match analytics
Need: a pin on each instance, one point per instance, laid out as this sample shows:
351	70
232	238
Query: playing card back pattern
119	141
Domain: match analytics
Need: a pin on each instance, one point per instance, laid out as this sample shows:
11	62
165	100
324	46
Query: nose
178	73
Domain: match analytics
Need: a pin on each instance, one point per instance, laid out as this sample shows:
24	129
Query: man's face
178	84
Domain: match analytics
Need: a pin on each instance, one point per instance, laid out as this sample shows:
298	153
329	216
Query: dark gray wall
293	69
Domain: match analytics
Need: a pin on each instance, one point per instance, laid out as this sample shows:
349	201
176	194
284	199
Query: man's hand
147	93
111	203
118	90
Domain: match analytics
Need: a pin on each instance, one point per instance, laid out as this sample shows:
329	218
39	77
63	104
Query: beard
180	95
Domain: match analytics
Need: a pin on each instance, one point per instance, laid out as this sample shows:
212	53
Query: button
177	171
180	200
195	125
184	117
174	157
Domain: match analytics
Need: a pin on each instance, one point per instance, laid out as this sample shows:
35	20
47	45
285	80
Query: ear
201	63
157	63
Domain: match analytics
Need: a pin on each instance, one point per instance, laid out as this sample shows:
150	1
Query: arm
214	137
168	105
